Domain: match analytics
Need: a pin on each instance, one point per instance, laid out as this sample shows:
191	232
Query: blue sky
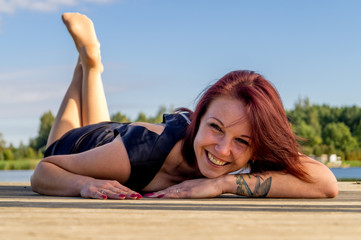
163	52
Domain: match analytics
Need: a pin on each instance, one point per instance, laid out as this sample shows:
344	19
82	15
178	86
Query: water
347	173
24	175
15	175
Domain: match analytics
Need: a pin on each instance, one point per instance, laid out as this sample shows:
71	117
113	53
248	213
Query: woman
238	123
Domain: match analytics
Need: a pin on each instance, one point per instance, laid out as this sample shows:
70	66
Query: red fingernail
134	195
104	197
139	196
121	196
148	194
161	196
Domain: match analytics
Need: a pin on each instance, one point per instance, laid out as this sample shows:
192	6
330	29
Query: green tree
298	115
46	121
351	116
30	153
118	117
310	133
2	142
328	114
8	154
2	147
158	118
338	135
142	117
306	125
21	151
357	133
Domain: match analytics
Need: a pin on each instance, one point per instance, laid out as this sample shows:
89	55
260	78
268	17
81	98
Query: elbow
328	187
323	181
33	184
330	191
35	179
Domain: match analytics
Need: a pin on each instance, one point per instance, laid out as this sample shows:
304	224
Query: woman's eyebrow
246	136
218	120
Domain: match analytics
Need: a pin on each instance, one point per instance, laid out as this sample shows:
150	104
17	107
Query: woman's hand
196	188
103	189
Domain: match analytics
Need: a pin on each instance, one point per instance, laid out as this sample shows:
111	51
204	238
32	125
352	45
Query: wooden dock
27	215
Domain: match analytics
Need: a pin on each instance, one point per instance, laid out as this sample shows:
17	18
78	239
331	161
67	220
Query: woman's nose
223	147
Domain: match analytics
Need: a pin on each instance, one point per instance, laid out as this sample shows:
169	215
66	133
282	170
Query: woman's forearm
277	184
50	179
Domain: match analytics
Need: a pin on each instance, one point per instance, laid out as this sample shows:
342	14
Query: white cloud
100	1
27	86
12	6
50	5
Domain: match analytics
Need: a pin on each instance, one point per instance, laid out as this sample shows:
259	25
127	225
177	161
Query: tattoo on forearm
260	190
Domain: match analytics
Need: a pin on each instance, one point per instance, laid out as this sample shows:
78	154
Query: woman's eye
242	141
215	127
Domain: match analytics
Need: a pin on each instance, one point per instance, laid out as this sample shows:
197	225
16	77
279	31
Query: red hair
274	145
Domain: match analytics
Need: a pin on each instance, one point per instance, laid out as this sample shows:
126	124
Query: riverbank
30	164
21	164
354	163
342	174
27	215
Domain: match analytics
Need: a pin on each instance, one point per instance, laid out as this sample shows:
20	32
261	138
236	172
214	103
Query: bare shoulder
317	170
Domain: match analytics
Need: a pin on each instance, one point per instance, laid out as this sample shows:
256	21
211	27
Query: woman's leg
69	113
85	102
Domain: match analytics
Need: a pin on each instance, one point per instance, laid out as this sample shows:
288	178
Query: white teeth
216	161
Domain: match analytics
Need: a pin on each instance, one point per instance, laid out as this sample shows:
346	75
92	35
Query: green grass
22	164
352	163
356	180
26	164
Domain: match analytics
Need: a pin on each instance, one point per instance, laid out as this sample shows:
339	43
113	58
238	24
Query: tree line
327	130
321	129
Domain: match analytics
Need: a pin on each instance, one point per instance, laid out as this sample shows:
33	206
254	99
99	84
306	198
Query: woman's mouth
215	161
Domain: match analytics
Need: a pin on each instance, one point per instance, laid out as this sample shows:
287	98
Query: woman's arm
276	184
96	173
323	183
268	184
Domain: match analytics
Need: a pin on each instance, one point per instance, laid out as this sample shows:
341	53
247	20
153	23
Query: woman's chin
209	169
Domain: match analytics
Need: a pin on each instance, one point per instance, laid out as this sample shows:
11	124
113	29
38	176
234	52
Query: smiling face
222	143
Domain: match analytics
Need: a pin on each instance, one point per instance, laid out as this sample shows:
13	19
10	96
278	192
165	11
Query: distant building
330	160
334	161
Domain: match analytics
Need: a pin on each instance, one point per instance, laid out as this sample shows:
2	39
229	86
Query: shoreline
9	165
342	174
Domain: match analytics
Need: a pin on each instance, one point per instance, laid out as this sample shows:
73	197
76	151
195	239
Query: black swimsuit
146	150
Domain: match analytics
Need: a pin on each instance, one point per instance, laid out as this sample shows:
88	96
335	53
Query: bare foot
82	30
